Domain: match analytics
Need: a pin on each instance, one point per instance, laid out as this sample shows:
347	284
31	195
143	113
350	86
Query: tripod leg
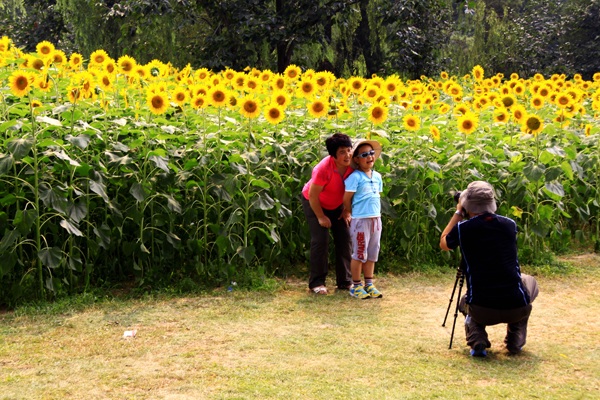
462	281
458	275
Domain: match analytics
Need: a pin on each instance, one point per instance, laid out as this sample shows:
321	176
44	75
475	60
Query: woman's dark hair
336	141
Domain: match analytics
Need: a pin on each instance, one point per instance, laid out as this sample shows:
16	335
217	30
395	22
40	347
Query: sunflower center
157	102
250	106
22	82
533	124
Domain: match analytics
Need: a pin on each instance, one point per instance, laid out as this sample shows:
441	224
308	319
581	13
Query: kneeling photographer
497	292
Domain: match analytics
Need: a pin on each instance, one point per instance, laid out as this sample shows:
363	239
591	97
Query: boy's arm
347	212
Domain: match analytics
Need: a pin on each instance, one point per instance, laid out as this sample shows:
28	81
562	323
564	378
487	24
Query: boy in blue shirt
362	198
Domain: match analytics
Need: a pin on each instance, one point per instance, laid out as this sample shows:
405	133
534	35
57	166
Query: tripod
460	280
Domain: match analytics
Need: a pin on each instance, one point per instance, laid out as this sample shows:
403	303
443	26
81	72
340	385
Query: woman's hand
325	222
346	216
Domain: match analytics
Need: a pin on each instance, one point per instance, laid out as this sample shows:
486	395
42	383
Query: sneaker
359	292
479	350
373	292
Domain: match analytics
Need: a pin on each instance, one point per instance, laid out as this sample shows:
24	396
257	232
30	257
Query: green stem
536	242
36	195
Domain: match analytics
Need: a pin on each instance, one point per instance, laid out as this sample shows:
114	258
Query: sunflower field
111	170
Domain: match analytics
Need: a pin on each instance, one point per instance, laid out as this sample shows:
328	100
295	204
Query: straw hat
359	142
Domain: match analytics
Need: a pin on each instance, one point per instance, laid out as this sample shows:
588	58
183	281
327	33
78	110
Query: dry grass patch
295	345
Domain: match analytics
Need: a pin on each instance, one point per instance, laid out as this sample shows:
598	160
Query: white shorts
366	235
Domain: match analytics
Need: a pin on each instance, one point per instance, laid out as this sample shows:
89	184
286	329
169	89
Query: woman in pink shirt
322	201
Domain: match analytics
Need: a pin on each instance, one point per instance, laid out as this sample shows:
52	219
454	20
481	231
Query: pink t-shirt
325	174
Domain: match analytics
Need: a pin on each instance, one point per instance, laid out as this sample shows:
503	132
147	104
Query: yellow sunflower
478	73
266	75
318	108
411	122
563	119
59	57
74	94
461	109
75	60
106	81
444	76
43	83
218	96
532	124
249	107
378	114
126	64
278	82
356	84
180	96
444	108
203	74
323	80
501	115
391	85
454	89
228	74
467	123
98	57
306	88
588	129
544	91
435	133
281	98
198	102
4	43
35	104
371	93
519	89
252	83
20	83
519	112
157	102
45	48
274	114
239	82
292	72
37	63
537	102
563	100
508	101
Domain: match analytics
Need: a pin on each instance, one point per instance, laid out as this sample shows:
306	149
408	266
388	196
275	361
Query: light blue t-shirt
366	201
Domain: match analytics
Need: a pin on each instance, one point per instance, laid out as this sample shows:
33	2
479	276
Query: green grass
290	344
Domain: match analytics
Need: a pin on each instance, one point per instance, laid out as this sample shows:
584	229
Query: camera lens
456	196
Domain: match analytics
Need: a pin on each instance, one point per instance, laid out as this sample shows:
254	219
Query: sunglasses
366	154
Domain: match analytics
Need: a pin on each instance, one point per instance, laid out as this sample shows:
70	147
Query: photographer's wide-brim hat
359	142
478	198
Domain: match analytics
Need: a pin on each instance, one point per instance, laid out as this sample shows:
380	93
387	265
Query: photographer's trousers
477	318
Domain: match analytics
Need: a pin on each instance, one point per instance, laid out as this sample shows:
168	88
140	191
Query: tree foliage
352	37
